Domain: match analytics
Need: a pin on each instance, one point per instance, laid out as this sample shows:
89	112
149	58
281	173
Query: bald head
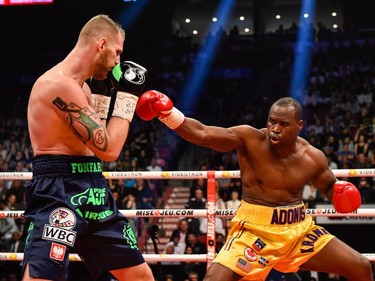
290	102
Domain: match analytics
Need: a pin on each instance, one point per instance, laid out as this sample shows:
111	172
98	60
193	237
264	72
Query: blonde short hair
100	26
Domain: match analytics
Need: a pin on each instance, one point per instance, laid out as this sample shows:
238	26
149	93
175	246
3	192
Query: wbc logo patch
62	221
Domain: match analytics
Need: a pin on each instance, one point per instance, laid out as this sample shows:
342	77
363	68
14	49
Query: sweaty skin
270	159
275	164
73	126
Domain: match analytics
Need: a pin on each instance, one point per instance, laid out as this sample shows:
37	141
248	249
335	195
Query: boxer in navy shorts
79	115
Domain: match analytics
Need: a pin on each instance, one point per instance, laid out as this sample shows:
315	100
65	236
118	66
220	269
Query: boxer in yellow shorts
275	165
262	238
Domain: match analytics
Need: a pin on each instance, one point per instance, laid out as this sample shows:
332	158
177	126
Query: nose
276	129
118	60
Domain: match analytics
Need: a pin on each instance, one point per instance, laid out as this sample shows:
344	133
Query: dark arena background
224	62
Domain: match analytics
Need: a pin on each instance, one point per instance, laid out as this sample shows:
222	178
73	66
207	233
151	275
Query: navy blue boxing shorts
69	206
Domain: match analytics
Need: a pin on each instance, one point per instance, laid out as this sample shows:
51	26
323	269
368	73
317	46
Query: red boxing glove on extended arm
153	104
346	197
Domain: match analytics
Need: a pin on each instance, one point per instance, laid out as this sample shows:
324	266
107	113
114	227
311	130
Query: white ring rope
148	257
200	213
210	213
184	174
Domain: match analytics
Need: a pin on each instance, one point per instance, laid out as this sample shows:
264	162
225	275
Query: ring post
211	224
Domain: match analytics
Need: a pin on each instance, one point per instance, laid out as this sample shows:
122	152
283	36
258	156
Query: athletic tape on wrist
173	120
101	104
125	104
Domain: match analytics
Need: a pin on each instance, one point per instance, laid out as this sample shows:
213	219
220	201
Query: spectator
365	189
331	164
197	202
360	144
201	184
7	227
171	268
346	156
219	227
224	182
155	184
220	241
142	160
198	248
182	232
193	276
16	245
3	192
178	248
234	201
129	203
309	195
189	266
145	197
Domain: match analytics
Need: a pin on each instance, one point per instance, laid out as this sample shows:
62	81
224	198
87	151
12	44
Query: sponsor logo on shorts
89	167
243	265
258	245
130	237
62	221
250	254
93	196
311	238
57	252
282	216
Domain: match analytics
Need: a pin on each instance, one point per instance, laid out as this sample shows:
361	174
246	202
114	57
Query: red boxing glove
153	104
346	197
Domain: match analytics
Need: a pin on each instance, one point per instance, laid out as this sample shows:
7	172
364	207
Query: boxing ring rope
211	212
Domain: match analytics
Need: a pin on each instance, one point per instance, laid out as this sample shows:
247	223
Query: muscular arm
324	178
217	138
62	121
91	130
105	139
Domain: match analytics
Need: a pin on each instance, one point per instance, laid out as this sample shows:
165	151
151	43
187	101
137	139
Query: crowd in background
338	113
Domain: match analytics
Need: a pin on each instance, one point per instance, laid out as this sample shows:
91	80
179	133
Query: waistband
273	216
66	165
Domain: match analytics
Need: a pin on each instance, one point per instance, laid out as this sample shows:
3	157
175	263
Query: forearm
117	130
192	130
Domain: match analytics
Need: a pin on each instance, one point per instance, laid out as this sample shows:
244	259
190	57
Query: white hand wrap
101	104
125	104
174	119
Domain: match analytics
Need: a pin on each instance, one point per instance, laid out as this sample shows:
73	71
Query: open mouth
274	138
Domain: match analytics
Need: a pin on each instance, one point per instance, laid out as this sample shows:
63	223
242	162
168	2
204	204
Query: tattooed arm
62	121
84	123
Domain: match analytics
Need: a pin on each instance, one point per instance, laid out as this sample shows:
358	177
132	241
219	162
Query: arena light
198	72
301	65
128	16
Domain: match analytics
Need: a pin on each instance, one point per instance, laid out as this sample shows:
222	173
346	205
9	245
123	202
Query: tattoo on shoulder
84	122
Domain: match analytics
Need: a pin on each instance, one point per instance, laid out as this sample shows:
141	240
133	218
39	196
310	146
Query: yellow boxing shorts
262	238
